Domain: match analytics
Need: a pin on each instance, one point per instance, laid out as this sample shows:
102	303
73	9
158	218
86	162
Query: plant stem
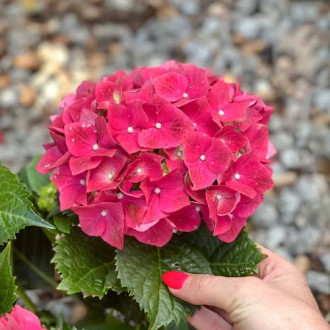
26	300
39	272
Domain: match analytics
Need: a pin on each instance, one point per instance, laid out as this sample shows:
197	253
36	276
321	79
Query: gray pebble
318	281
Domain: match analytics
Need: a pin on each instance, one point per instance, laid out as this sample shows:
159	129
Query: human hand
277	298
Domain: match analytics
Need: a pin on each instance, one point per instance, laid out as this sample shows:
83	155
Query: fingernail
174	279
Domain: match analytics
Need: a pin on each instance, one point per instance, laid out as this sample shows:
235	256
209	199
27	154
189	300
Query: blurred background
278	49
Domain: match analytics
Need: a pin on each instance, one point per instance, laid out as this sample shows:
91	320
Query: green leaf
63	222
33	179
239	258
15	207
7	286
140	268
86	264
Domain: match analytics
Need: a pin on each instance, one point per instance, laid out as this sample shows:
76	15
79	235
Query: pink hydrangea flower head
157	150
20	319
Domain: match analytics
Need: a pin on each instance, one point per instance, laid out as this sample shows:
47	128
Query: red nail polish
174	279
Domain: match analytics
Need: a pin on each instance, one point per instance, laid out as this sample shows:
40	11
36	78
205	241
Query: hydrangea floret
20	319
155	151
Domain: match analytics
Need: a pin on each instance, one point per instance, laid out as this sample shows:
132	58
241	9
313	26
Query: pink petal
80	138
237	224
134	209
146	165
106	175
153	212
206	158
222	225
248	176
171	192
186	219
221	200
104	93
72	189
171	86
158	235
51	159
199	113
105	139
168	125
197	195
81	164
232	139
247	206
198	83
20	319
105	220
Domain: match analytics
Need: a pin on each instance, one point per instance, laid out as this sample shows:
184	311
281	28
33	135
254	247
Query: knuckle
204	282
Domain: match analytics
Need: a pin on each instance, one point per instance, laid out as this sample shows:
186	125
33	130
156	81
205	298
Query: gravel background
278	49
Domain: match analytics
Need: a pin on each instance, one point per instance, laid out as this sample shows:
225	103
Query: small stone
266	215
27	96
276	236
318	281
28	61
325	260
8	97
285	179
78	312
4	81
302	262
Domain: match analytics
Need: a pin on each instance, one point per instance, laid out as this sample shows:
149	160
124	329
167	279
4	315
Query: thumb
218	291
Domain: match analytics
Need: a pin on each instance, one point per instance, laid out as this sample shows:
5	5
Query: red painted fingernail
174	279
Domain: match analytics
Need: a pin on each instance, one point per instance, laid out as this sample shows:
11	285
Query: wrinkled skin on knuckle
204	282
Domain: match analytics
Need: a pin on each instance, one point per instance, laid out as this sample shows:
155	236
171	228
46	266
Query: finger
205	319
222	292
221	313
273	264
281	274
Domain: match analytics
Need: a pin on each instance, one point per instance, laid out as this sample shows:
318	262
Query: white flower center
110	176
179	153
218	197
72	140
157	190
185	95
158	125
221	113
202	157
120	195
139	170
197	208
130	129
104	213
194	124
237	176
83	182
95	147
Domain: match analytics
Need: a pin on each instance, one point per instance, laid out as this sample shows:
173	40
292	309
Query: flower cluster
20	319
146	154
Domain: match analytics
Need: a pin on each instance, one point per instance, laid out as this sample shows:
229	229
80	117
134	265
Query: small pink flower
207	158
166	125
72	188
20	319
164	195
103	219
221	200
126	121
248	176
107	175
